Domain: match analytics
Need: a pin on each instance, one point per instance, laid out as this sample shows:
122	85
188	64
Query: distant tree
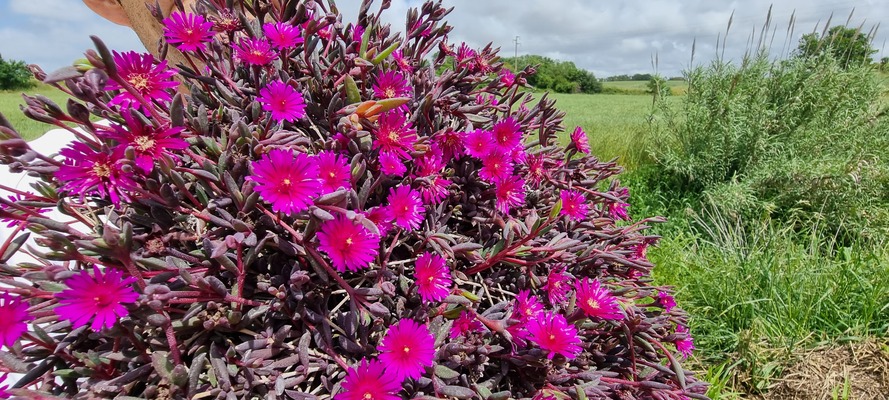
558	76
14	75
884	64
849	46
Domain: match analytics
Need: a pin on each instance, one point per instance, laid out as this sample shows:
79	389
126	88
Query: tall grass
11	100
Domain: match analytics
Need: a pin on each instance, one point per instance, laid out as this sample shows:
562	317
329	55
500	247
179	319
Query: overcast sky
605	37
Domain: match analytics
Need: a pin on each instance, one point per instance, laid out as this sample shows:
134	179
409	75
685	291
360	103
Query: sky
604	37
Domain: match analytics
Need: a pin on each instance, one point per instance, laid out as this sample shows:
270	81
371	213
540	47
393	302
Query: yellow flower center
144	143
139	81
286	182
592	303
368	396
101	170
406	350
349	241
390	93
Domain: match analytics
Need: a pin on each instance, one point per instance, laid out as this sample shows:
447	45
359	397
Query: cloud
607	38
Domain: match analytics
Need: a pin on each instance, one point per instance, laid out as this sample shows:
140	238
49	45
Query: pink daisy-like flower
148	143
415	30
283	101
282	35
407	348
369	380
289	183
350	246
479	143
20	216
667	301
335	173
152	81
390	164
685	344
433	277
381	217
451	143
618	210
391	84
506	77
640	251
394	134
403	63
538	168
580	140
254	51
466	323
464	54
496	166
86	171
101	296
558	284
14	319
431	162
526	306
357	33
433	188
510	192
507	135
406	207
226	21
187	31
552	332
574	205
597	301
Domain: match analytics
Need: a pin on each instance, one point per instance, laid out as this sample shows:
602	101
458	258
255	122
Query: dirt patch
858	371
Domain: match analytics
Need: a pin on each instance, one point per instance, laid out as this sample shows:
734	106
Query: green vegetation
848	46
556	76
14	75
11	100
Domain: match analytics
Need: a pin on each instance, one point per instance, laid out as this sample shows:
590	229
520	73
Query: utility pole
516	54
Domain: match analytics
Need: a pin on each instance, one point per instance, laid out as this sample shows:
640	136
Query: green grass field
11	101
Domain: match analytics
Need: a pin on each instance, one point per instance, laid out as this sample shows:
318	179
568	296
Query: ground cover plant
324	214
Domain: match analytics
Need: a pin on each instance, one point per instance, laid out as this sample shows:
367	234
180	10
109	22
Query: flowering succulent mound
324	209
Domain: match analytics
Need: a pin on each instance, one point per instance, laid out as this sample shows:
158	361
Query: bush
14	75
323	215
558	76
802	139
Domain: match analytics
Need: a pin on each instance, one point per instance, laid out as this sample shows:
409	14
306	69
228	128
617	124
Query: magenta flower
407	348
507	135
510	192
597	301
289	183
254	51
506	77
391	84
357	33
451	143
187	31
335	173
283	101
381	217
14	319
580	140
464	54
406	207
684	342
526	306
403	63
433	188
479	143
3	393
282	35
466	323
618	210
558	284
152	82
350	246
148	143
101	296
667	301
390	164
433	277
496	166
394	134
538	168
552	332
19	215
86	171
369	380
574	205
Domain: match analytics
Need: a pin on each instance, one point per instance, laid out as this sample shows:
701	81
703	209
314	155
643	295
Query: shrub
14	75
325	215
802	139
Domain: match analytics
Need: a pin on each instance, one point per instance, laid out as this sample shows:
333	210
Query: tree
14	75
849	46
558	76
